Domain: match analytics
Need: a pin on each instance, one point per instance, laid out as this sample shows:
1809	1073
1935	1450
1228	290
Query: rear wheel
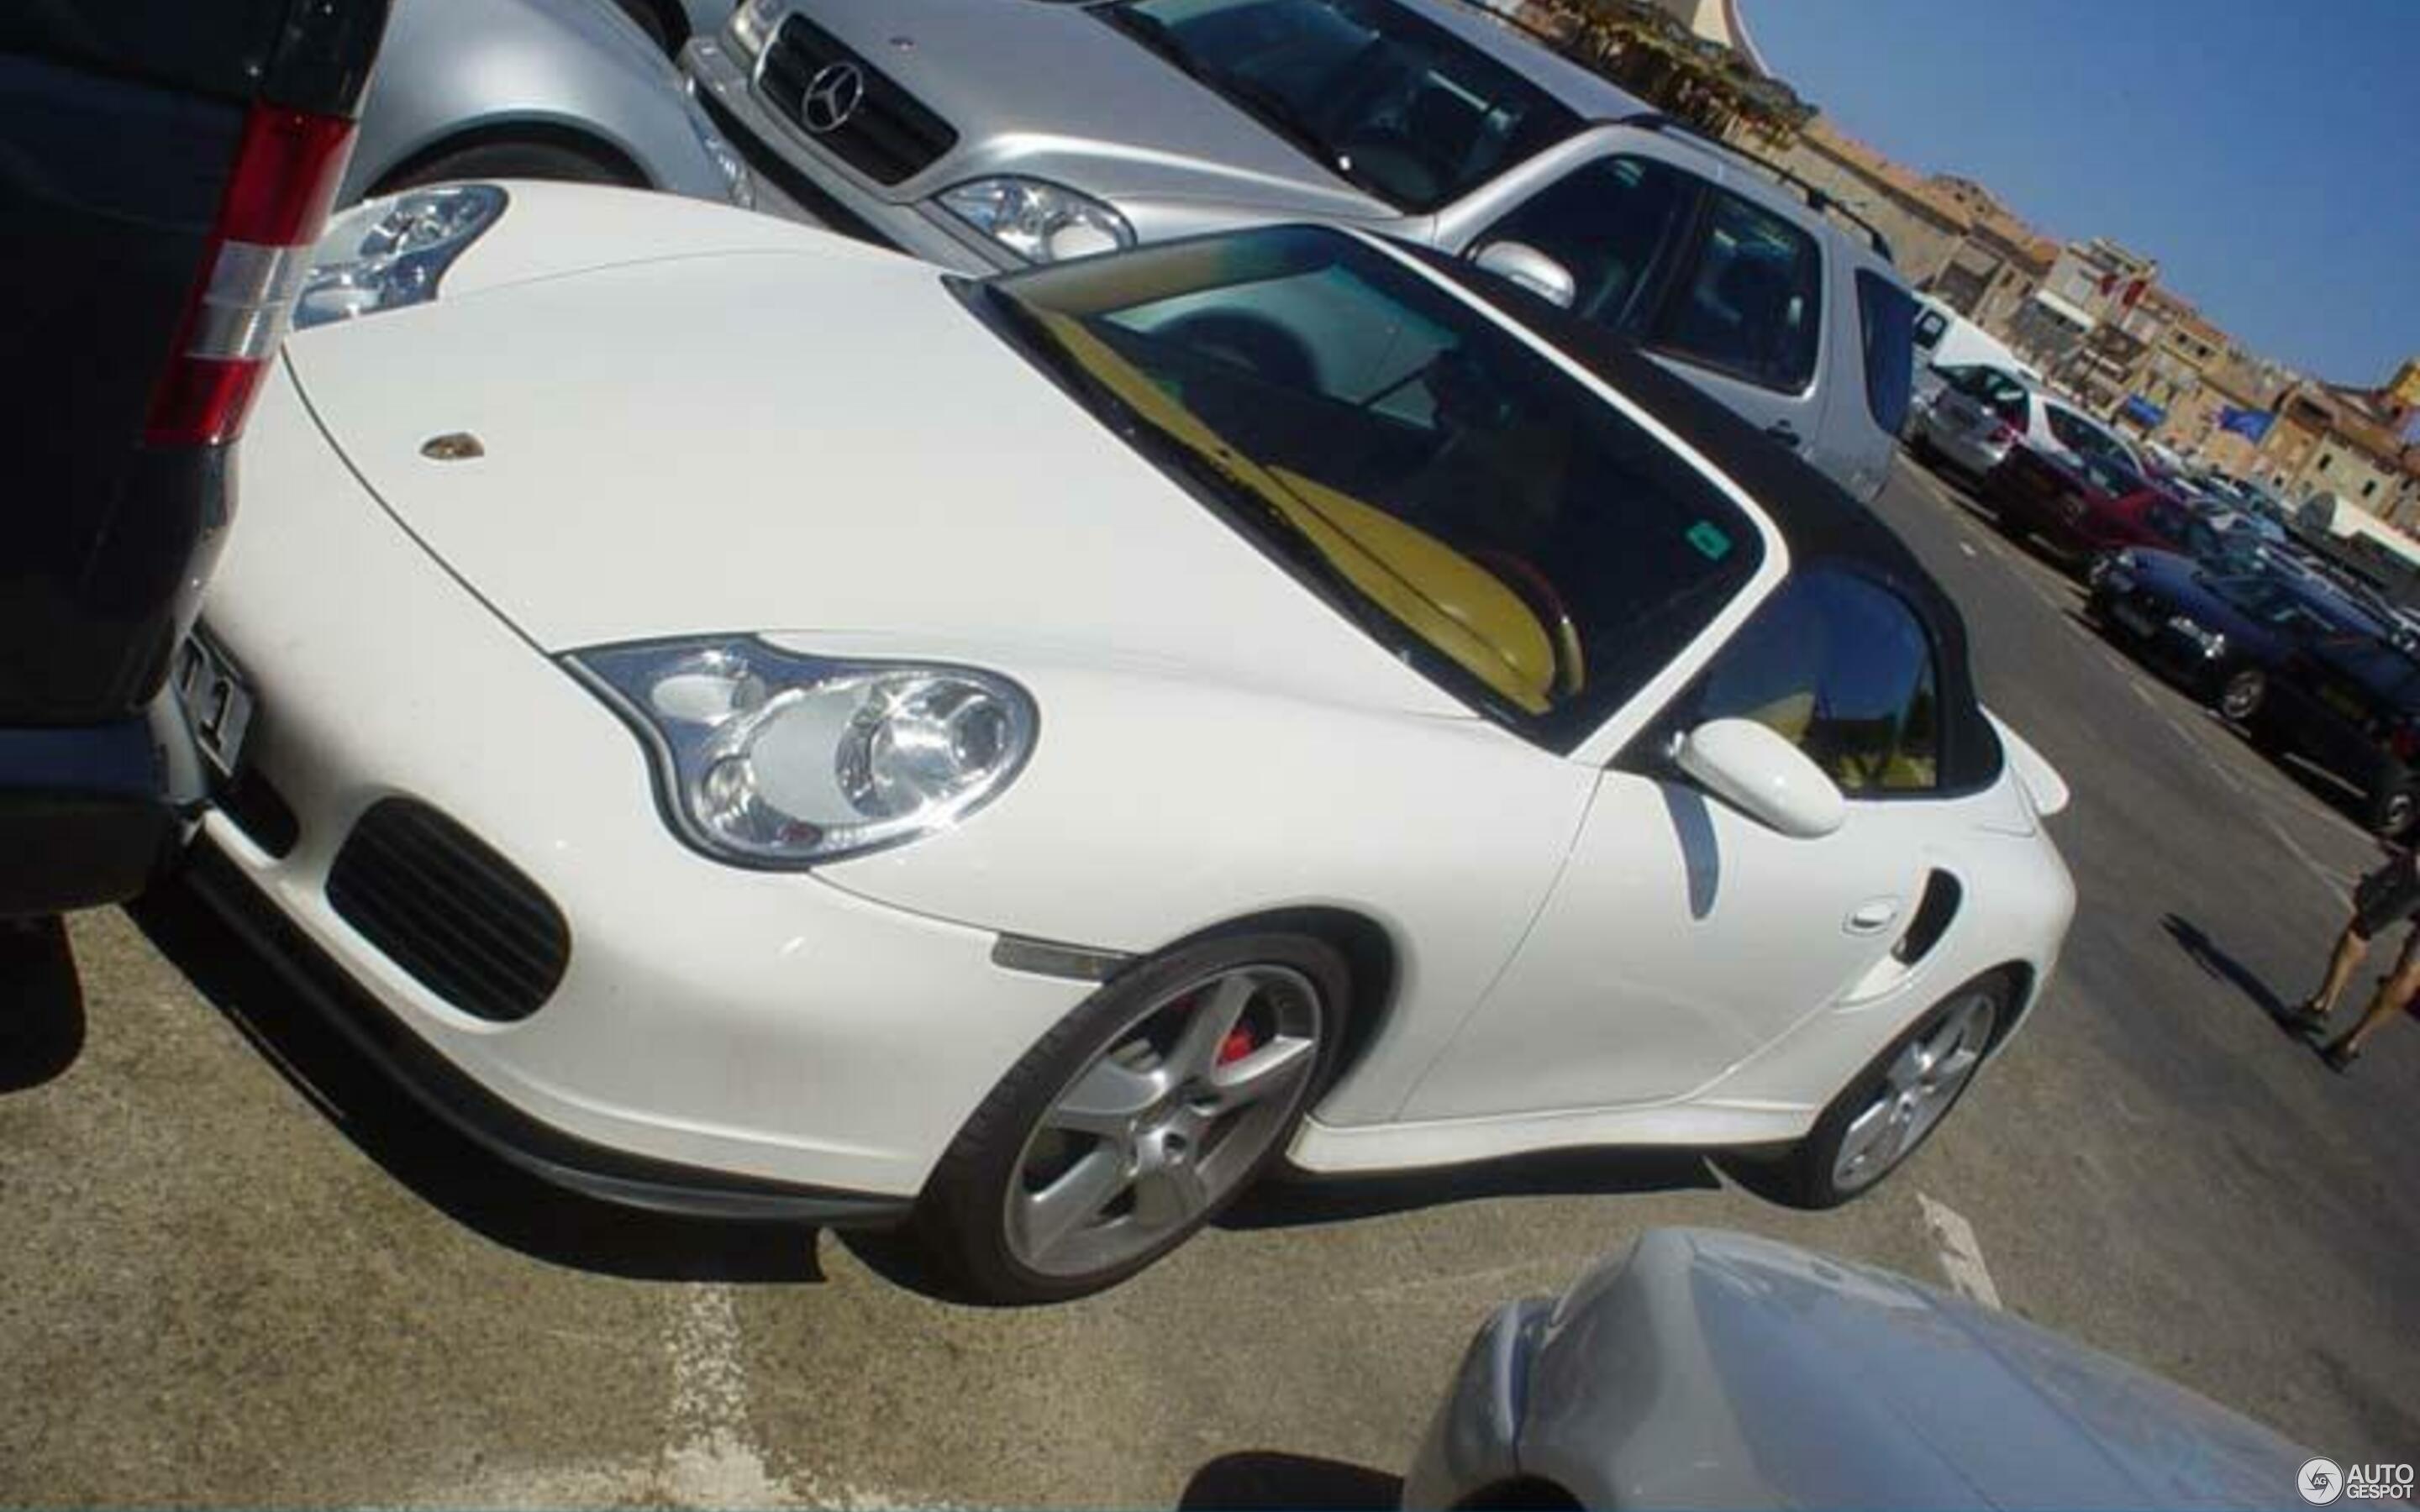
556	161
1898	1100
1136	1118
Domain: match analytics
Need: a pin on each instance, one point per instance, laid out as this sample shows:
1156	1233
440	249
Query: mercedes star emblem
832	98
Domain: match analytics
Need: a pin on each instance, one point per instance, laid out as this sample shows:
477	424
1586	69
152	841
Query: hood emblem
833	97
454	446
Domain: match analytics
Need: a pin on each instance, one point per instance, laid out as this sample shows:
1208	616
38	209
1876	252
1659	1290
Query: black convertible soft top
1819	520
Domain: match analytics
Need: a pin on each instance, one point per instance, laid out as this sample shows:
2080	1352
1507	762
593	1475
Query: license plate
217	703
2133	618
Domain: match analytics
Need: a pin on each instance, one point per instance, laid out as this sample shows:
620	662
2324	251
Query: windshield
1487	517
1387	100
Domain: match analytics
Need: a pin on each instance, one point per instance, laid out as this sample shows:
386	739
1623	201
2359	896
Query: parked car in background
563	89
1345	610
1977	413
2222	634
1946	341
2071	482
2351	707
1716	1370
995	136
167	161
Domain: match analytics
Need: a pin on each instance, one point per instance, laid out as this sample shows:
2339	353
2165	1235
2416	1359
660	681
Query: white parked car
743	722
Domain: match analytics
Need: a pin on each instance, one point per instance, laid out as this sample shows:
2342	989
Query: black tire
554	161
2241	694
1804	1176
962	1217
2389	811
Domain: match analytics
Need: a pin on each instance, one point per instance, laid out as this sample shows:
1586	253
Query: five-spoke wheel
1135	1119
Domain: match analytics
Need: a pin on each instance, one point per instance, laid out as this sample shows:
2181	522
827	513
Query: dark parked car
169	163
2352	707
2080	501
2223	634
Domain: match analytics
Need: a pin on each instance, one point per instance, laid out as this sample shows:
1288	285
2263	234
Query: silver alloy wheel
1922	1082
2241	699
1164	1122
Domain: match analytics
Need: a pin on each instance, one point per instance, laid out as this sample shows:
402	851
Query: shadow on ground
41	1003
1303	1202
440	1165
1261	1479
2207	954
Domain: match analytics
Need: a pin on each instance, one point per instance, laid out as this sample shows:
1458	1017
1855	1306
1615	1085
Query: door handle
1873	914
1784	432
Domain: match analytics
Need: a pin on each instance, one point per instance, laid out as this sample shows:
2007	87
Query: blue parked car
2222	634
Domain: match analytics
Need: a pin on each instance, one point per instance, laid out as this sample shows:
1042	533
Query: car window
1386	99
1486	516
1885	313
1752	300
1843	669
1609	222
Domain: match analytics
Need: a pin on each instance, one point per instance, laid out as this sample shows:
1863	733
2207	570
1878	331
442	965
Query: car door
1682	938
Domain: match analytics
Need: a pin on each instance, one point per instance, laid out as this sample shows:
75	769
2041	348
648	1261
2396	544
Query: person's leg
2395	994
2350	946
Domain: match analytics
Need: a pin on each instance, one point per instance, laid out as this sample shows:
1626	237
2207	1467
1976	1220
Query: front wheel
2241	696
1136	1118
1896	1103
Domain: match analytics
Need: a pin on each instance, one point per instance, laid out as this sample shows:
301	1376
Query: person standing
2386	897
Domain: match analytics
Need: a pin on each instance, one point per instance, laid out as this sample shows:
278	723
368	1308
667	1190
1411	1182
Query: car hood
1719	1369
1053	91
814	441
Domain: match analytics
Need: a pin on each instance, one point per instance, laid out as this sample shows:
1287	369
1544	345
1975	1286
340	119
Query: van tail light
2003	433
287	171
2404	741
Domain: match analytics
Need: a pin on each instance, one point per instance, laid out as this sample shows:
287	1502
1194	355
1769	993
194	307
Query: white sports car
744	723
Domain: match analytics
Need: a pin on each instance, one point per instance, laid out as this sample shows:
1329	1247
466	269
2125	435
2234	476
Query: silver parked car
566	89
1716	1370
985	135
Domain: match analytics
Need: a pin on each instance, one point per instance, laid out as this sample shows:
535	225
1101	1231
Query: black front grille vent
886	132
445	907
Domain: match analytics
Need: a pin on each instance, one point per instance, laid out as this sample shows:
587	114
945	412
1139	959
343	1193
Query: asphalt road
236	1273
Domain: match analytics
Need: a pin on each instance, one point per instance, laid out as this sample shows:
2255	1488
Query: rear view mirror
1520	263
1764	777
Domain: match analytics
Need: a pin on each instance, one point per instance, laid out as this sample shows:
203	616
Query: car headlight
754	24
769	758
387	254
736	186
2211	642
1039	221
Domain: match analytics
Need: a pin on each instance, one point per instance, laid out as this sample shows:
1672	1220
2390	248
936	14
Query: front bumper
820	184
752	1024
1473	1443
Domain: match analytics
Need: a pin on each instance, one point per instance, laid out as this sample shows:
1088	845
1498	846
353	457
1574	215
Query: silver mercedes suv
992	133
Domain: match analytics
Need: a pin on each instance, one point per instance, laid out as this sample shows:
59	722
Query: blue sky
2267	154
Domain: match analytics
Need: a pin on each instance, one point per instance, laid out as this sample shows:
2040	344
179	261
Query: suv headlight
768	758
386	253
1039	221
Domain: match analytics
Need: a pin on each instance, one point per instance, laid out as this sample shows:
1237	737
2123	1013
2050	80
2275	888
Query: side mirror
1764	777
1520	263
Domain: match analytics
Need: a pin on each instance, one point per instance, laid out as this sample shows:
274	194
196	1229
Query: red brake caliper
1237	1045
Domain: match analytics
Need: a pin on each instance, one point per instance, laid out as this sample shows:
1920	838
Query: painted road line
1960	1251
